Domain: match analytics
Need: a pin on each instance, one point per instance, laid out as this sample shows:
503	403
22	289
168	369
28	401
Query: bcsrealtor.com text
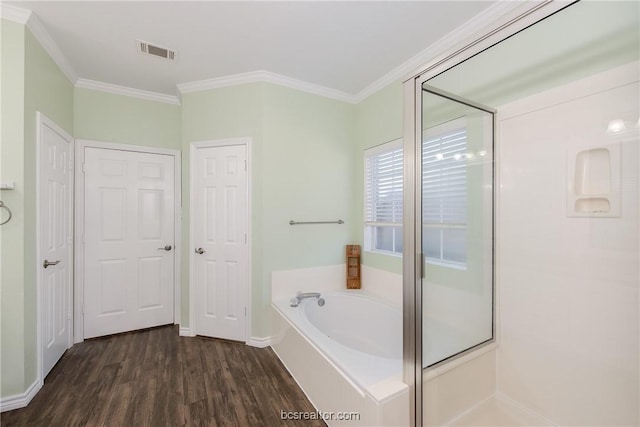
319	415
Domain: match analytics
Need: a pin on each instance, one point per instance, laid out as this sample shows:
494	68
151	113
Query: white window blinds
383	185
444	195
444	179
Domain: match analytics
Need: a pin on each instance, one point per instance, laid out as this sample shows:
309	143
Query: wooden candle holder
353	267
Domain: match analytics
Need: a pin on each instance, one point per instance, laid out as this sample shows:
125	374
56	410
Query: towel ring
2	205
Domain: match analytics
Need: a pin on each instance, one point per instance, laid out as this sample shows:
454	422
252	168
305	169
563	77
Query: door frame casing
193	146
43	120
79	284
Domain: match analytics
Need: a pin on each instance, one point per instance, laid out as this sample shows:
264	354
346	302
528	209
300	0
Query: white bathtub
360	334
346	355
363	334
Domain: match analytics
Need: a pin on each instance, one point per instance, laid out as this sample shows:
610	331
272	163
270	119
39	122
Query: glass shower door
457	226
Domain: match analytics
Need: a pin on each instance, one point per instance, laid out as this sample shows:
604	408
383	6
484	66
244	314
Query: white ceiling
342	45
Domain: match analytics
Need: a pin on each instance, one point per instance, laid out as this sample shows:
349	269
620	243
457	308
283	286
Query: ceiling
342	45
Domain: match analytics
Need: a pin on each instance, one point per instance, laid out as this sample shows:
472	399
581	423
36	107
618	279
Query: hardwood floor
156	378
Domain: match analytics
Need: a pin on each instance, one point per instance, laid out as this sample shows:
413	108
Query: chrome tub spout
304	295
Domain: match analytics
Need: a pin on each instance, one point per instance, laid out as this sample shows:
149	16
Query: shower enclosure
453	216
456	213
521	269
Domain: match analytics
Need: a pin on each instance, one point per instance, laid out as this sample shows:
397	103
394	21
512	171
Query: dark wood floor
156	378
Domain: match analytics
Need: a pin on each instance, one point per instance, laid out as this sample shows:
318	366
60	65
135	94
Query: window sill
378	252
445	264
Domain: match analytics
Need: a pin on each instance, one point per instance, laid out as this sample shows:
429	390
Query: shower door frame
412	296
418	212
511	23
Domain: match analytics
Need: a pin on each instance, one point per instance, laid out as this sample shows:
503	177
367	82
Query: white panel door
219	236
129	240
55	240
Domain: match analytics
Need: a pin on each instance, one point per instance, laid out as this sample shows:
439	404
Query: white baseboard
259	342
20	400
186	332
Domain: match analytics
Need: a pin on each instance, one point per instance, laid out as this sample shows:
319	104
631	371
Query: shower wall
568	286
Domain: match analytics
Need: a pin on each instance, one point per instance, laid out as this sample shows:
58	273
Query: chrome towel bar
292	222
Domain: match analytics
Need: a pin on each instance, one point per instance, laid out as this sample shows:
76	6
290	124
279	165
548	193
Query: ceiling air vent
147	48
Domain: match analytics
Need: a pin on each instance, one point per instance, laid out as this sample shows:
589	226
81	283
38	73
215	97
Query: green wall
308	175
378	119
102	116
301	159
12	234
32	82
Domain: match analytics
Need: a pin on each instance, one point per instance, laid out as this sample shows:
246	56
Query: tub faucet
303	295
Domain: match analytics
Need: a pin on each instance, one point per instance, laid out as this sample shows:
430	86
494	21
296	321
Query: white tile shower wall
447	396
498	411
568	290
459	309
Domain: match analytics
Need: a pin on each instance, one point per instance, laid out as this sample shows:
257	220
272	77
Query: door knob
47	263
200	251
166	248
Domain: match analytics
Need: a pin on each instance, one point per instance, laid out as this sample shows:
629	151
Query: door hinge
245	312
421	260
83	167
245	165
245	239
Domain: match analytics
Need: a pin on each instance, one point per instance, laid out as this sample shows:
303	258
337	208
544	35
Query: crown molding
218	82
266	77
15	14
51	47
303	86
31	21
469	30
127	91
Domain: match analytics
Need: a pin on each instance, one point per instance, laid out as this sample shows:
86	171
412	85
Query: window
444	193
383	198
